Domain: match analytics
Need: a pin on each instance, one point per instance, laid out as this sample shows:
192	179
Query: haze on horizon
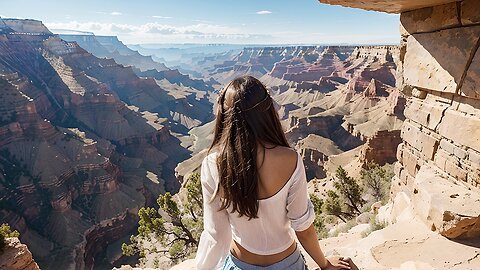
212	21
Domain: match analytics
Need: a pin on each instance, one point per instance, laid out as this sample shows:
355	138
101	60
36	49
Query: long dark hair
245	117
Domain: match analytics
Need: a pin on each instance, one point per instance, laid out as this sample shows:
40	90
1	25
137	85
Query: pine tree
176	225
333	206
346	200
350	190
377	179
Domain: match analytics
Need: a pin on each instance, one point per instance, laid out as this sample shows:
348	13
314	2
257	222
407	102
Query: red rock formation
381	148
76	142
16	256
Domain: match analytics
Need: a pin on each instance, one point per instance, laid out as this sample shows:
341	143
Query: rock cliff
440	76
111	47
16	256
435	188
189	98
84	142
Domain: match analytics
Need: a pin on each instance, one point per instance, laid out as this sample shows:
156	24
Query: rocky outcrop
26	26
313	64
381	148
16	256
395	6
315	151
438	173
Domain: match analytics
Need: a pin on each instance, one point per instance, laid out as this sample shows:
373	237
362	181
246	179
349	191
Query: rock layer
442	127
84	143
16	256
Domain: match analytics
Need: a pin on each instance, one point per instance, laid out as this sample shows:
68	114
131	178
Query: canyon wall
84	143
439	71
438	173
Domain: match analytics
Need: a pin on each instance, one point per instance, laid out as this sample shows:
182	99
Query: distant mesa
26	26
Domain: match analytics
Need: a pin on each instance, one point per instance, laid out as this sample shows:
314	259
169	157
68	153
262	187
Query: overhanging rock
390	6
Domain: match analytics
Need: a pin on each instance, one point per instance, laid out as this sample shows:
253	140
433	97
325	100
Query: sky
212	21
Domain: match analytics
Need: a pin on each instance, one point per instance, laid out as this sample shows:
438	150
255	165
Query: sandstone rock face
16	256
441	134
445	206
381	148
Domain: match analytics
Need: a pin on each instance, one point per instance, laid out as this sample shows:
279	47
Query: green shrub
374	226
6	232
319	222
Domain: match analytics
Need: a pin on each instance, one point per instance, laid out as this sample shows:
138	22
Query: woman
254	189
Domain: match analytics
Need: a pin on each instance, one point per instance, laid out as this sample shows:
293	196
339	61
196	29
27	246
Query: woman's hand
338	263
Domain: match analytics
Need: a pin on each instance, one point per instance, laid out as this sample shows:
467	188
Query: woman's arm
309	241
301	214
216	237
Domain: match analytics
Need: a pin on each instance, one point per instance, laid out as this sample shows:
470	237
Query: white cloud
264	12
161	17
155	32
113	13
202	21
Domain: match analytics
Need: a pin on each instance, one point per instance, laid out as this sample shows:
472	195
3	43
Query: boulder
445	205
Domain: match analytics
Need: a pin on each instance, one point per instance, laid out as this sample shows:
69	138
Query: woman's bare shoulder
284	153
282	156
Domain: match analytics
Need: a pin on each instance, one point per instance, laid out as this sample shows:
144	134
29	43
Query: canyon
332	100
84	143
92	129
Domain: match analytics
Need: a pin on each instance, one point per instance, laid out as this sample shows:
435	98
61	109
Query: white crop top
289	210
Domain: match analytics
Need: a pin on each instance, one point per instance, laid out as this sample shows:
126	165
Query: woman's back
275	166
283	205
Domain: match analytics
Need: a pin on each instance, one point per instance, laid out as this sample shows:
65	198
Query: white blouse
289	210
